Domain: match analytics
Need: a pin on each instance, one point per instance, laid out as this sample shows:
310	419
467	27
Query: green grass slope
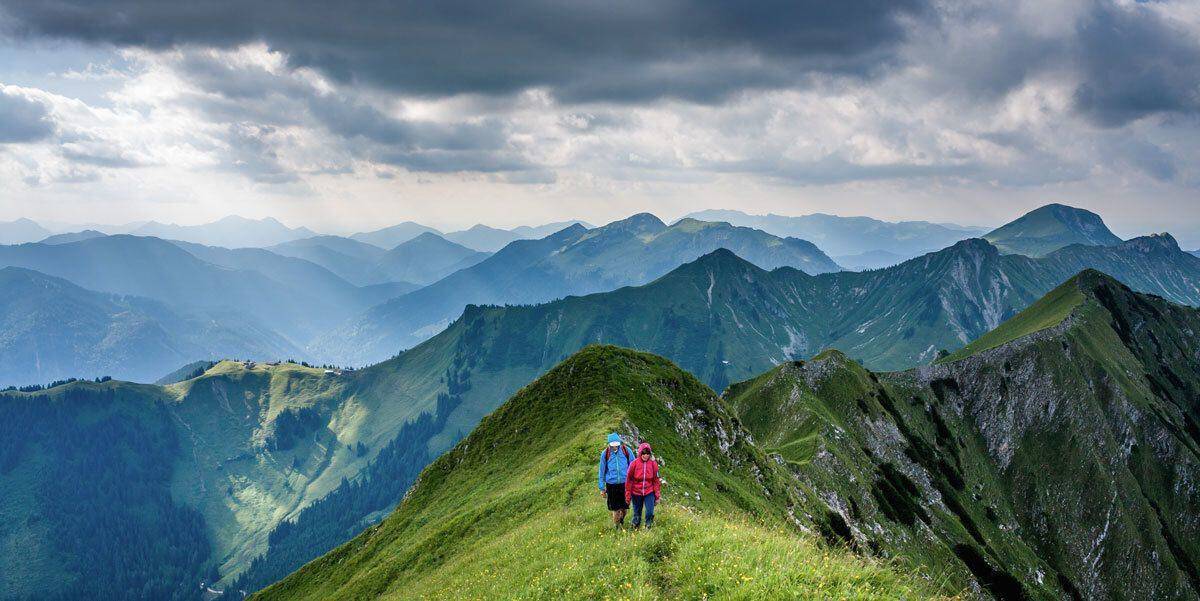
512	511
1058	464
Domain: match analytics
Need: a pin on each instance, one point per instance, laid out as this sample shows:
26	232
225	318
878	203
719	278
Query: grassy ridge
513	510
1047	312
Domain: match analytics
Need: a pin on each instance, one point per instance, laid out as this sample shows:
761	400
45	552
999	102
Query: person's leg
637	510
649	510
621	517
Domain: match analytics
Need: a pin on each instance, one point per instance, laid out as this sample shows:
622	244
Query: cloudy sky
355	114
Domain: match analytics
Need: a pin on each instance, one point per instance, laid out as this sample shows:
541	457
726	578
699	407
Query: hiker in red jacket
642	486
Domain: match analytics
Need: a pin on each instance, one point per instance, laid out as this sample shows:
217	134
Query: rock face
1063	464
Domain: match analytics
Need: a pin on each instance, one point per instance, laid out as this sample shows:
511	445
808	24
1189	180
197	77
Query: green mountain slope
572	261
1049	228
512	511
51	329
1059	463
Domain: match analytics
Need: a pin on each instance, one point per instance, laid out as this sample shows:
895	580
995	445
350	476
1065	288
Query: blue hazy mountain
846	236
51	329
228	232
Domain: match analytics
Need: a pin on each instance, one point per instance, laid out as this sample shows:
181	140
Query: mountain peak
1049	228
641	222
1153	243
974	246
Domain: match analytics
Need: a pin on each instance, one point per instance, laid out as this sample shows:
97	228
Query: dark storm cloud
588	50
245	94
23	120
1136	63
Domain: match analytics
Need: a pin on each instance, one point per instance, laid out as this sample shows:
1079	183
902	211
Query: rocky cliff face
1063	464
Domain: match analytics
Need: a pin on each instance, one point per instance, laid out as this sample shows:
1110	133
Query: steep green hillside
1049	228
51	329
574	260
512	510
248	447
1058	464
87	510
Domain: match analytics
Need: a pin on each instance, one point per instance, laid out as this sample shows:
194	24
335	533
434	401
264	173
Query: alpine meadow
577	300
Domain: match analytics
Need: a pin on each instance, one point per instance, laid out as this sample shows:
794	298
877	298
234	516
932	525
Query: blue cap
614	438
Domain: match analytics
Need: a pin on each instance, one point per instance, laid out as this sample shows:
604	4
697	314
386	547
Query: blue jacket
618	465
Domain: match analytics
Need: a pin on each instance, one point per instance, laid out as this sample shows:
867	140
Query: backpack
608	454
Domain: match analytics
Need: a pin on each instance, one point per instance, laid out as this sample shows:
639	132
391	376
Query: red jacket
642	477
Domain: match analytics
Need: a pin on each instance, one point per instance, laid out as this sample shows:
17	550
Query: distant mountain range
346	300
874	259
1049	228
851	236
479	237
350	259
421	260
388	237
229	232
572	261
427	258
72	237
278	298
53	330
21	231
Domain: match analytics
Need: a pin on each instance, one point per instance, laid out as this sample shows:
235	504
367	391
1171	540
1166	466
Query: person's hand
603	493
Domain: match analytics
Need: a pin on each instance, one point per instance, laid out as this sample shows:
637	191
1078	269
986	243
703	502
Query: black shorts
615	493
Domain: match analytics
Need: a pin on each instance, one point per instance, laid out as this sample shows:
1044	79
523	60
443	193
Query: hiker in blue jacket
610	476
